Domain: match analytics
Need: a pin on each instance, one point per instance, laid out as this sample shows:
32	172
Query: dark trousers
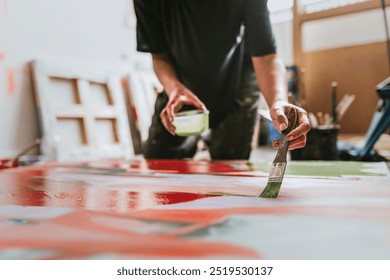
231	139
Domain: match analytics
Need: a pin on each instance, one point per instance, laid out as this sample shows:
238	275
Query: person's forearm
165	73
271	77
178	94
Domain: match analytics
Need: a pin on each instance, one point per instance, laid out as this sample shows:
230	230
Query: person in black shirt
213	55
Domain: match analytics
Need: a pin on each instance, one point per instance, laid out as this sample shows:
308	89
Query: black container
321	144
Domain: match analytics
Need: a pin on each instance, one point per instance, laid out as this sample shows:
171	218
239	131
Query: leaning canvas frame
143	88
81	112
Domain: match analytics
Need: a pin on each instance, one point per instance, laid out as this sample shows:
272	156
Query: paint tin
25	160
321	144
6	163
192	122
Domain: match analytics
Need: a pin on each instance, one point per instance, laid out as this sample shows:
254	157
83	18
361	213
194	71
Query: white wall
283	32
91	30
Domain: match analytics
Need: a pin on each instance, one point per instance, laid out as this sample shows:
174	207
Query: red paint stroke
178	166
134	112
11	81
27	192
5	163
196	166
85	234
42	186
124	84
60	186
178	197
2	56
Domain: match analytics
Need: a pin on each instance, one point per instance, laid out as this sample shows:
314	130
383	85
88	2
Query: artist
213	55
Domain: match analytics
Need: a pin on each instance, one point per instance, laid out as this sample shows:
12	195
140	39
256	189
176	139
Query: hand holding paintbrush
279	114
279	164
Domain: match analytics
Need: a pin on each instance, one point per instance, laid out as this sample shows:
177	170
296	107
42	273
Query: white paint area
283	32
304	237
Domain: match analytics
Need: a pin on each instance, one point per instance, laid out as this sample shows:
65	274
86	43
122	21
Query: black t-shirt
206	41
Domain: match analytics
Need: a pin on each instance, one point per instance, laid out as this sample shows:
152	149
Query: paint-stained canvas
194	210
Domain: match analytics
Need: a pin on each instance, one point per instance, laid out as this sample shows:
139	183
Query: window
280	11
311	6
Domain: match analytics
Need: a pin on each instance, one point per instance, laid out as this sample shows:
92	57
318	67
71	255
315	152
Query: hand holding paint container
192	122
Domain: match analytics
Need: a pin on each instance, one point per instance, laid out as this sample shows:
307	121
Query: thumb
280	119
282	126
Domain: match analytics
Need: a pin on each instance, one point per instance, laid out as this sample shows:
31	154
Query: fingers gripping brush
279	164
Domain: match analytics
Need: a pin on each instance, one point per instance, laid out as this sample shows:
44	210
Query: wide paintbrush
280	162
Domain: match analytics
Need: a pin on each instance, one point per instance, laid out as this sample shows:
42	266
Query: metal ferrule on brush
279	164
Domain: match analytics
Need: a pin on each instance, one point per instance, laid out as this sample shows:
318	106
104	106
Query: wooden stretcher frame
82	112
142	90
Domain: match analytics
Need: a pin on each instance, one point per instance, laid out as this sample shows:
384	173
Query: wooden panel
357	70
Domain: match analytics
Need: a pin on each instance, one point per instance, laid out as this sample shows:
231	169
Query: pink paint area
2	56
11	85
11	77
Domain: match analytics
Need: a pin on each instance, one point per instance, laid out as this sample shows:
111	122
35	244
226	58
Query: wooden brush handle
281	156
292	117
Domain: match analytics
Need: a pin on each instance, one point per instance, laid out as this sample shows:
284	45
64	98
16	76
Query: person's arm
178	94
165	73
271	77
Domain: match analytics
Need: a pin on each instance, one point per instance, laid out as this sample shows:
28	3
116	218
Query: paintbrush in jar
280	162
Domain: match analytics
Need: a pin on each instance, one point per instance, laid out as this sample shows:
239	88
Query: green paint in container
192	122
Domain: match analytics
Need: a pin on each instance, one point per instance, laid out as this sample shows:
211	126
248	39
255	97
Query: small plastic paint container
191	122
